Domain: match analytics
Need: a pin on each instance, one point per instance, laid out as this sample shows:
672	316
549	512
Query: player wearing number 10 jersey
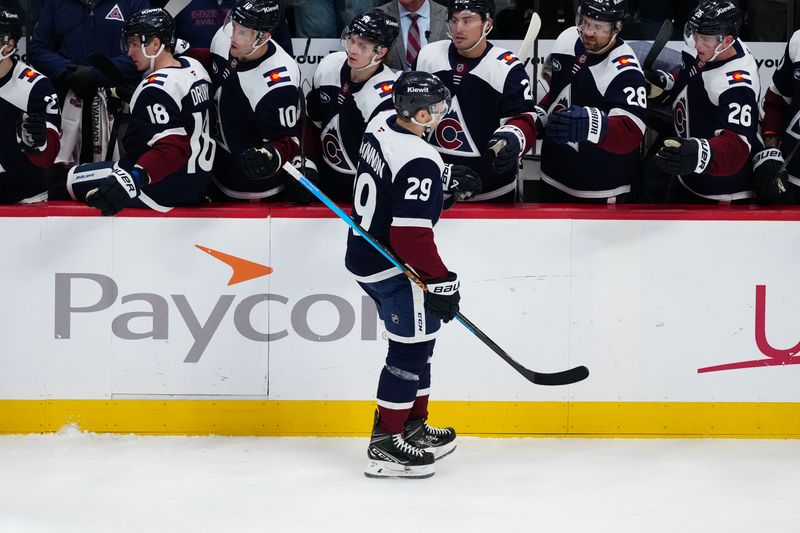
256	90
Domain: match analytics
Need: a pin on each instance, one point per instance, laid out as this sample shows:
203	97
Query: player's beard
593	45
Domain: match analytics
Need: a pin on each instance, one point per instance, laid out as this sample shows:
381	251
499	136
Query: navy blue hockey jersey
256	102
782	105
341	109
612	82
24	90
718	101
398	200
169	134
488	92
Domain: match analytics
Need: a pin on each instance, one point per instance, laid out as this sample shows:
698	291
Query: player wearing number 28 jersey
595	110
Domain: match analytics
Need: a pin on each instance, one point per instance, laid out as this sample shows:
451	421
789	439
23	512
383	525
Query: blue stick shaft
344	216
558	378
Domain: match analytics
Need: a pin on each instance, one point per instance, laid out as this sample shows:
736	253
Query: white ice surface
72	481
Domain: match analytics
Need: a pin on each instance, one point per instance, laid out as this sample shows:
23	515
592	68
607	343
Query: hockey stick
107	68
174	7
789	157
661	40
525	52
566	377
526	48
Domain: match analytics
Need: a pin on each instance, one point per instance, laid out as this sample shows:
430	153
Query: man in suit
431	25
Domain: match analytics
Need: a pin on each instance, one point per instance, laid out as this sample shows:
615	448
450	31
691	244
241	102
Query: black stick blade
661	40
565	377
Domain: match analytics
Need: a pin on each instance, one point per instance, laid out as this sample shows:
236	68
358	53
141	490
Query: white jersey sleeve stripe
398	222
166	133
618	112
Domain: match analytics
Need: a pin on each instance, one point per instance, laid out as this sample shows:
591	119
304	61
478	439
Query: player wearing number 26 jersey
715	112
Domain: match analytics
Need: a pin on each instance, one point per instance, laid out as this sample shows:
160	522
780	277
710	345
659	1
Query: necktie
413	41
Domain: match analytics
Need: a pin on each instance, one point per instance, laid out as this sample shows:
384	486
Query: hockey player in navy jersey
714	101
349	89
595	108
168	152
492	121
398	200
780	130
29	120
256	91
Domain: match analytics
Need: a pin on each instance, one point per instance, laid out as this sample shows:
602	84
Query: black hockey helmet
149	23
715	17
260	15
484	7
10	25
415	90
374	25
604	10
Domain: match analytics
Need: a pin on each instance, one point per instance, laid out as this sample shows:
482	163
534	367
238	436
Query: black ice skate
390	456
439	441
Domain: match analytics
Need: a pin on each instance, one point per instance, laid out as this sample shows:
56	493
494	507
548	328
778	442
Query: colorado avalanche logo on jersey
451	137
115	14
333	150
680	116
508	58
739	76
623	62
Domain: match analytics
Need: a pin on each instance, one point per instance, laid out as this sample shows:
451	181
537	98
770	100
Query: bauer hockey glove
506	144
294	191
680	157
442	297
461	181
117	189
32	133
260	163
768	177
577	125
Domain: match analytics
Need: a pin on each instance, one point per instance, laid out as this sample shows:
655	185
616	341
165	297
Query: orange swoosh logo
243	270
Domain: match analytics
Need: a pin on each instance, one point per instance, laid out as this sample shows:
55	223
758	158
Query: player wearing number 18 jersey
167	150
